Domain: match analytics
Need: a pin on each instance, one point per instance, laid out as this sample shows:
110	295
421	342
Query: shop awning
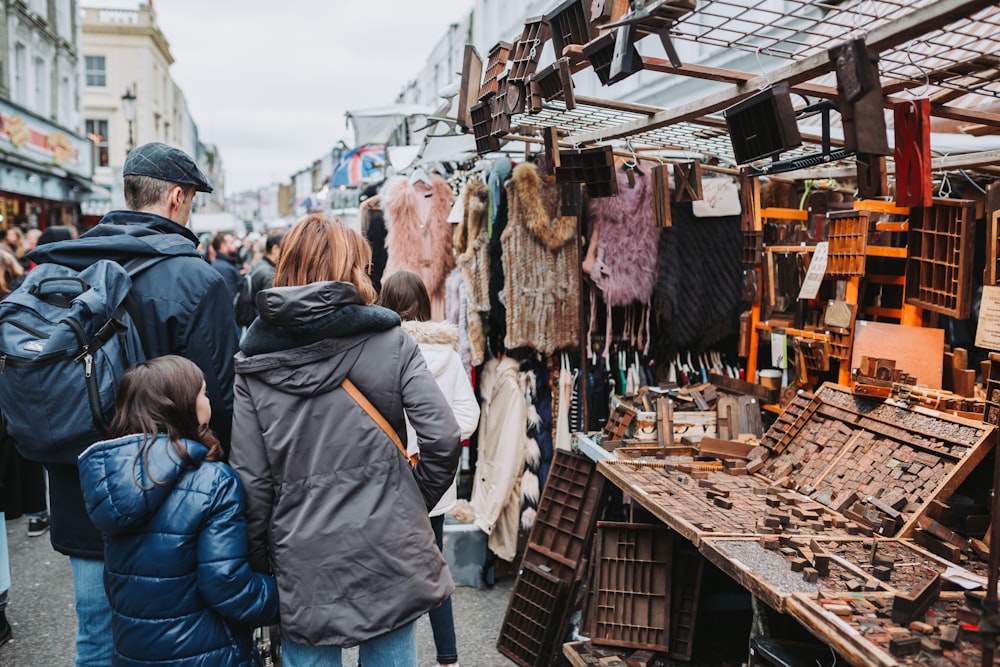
378	125
91	189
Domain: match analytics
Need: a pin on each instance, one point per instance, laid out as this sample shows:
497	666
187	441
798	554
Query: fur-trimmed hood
436	333
438	342
539	204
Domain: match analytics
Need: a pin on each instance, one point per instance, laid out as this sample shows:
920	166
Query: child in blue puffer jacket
171	513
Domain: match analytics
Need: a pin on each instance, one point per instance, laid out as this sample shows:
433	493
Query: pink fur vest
418	235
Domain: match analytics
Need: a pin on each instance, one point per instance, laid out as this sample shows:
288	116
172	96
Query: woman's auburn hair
321	248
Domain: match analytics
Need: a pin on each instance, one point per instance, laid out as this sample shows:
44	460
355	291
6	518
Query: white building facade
125	54
45	161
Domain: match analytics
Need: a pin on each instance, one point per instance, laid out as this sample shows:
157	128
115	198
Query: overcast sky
269	82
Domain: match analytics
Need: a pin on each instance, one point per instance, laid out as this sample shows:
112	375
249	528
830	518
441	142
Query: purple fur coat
625	268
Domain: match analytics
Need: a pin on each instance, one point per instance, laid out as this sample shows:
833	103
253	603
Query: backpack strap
134	267
376	416
137	265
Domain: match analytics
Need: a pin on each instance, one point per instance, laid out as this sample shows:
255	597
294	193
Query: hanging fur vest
418	234
541	255
472	247
625	266
700	280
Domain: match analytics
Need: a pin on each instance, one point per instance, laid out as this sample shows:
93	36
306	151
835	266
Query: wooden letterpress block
913	153
687	182
938	547
723	503
930	645
842	503
841	610
770	543
888	527
900	647
641	659
948	635
660	178
909	607
873	181
883	560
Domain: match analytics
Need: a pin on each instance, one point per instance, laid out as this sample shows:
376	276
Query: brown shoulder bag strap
376	416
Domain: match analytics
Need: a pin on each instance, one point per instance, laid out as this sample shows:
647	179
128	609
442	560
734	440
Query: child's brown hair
160	396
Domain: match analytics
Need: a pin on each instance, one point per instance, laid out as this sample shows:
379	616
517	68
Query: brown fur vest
472	249
541	255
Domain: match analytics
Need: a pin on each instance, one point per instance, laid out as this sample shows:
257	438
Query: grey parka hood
310	322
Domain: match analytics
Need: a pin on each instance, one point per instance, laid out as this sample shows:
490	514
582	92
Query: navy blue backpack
66	337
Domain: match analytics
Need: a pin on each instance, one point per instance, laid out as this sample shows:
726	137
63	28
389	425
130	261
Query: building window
42	101
64	105
97	75
97	130
20	73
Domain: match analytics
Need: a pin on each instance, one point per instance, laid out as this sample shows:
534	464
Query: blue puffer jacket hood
181	589
122	488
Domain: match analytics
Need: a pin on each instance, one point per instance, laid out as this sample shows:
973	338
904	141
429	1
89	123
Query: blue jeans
442	620
396	649
94	645
4	561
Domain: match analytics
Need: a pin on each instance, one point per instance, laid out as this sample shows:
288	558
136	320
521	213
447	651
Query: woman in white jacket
405	293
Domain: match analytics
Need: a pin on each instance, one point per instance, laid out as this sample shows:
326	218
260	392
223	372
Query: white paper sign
779	350
814	276
988	330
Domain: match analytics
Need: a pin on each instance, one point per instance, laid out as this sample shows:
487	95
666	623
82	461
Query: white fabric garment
496	492
437	341
566	378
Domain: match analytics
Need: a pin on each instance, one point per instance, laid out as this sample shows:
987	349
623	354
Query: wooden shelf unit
849	252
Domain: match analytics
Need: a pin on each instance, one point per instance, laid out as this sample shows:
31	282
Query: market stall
809	221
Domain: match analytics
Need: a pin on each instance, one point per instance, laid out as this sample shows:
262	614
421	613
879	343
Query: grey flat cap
165	163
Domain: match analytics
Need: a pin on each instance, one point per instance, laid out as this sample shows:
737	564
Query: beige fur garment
541	255
419	237
472	243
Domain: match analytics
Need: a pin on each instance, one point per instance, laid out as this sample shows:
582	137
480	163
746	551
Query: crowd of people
290	469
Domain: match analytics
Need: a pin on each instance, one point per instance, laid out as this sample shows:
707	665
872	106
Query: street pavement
44	623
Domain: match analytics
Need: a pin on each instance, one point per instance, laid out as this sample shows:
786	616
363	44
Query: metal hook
927	77
762	71
859	18
945	189
635	158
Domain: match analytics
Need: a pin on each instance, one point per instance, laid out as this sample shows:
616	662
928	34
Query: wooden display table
845	476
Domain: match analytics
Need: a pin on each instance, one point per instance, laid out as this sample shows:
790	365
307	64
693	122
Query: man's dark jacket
182	307
229	268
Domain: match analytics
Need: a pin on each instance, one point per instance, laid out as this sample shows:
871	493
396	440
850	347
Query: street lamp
128	108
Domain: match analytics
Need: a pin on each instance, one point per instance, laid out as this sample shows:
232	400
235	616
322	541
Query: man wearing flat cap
181	307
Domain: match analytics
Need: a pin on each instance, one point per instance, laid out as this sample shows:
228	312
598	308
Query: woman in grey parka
333	507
